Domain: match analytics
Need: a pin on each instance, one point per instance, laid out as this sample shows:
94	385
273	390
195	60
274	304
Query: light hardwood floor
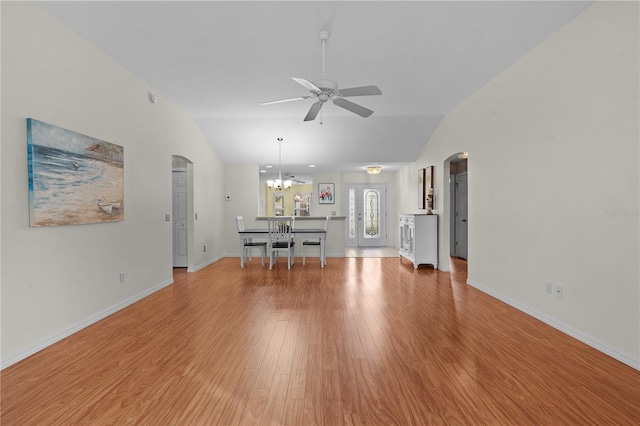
371	252
362	341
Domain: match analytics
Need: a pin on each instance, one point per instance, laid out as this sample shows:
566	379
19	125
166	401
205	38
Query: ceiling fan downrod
323	36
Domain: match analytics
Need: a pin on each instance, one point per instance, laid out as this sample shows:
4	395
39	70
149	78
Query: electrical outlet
121	277
548	287
204	248
167	217
559	291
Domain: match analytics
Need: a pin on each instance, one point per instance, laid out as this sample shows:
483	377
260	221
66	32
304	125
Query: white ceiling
219	60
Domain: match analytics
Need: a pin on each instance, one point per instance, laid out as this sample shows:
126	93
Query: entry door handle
464	220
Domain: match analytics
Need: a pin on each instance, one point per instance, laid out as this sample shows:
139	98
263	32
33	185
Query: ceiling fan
324	89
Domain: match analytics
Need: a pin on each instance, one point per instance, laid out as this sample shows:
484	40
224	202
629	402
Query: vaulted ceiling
218	61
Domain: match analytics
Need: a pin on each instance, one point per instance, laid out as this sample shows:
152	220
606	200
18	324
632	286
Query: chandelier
279	184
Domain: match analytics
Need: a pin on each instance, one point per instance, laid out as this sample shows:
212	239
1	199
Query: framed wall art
326	193
73	178
428	189
421	189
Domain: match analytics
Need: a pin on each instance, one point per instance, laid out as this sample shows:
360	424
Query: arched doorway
456	205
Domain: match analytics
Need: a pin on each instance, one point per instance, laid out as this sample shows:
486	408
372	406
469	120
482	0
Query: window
278	204
302	204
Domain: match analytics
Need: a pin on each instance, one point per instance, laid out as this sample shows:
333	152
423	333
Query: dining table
263	233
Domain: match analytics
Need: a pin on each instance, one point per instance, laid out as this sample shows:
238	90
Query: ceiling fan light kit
324	90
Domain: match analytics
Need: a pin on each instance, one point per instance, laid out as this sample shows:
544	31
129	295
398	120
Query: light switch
167	217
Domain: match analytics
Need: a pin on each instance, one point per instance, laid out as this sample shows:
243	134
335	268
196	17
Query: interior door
461	215
367	215
180	220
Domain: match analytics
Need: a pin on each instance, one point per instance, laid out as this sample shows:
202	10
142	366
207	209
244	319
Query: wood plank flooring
370	252
362	341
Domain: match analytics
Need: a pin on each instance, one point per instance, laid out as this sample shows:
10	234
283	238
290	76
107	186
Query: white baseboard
79	326
595	343
207	263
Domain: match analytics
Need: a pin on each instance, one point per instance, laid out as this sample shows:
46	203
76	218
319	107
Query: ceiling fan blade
306	83
361	91
355	108
313	111
285	100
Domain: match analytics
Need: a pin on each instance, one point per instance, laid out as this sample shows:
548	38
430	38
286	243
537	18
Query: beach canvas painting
73	178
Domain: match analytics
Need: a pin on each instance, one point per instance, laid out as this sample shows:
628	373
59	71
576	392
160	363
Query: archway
455	235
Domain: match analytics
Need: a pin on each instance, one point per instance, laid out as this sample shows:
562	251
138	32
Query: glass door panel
371	212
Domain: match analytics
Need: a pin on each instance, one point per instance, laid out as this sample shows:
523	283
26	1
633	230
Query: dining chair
248	245
316	243
280	232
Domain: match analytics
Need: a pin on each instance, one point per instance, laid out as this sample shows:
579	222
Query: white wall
241	184
56	280
553	172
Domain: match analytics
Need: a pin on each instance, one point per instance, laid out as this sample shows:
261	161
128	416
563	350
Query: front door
367	218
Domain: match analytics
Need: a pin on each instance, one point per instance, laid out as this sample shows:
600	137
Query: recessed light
268	167
312	165
263	171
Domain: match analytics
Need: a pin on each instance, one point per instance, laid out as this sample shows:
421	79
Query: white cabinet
419	239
